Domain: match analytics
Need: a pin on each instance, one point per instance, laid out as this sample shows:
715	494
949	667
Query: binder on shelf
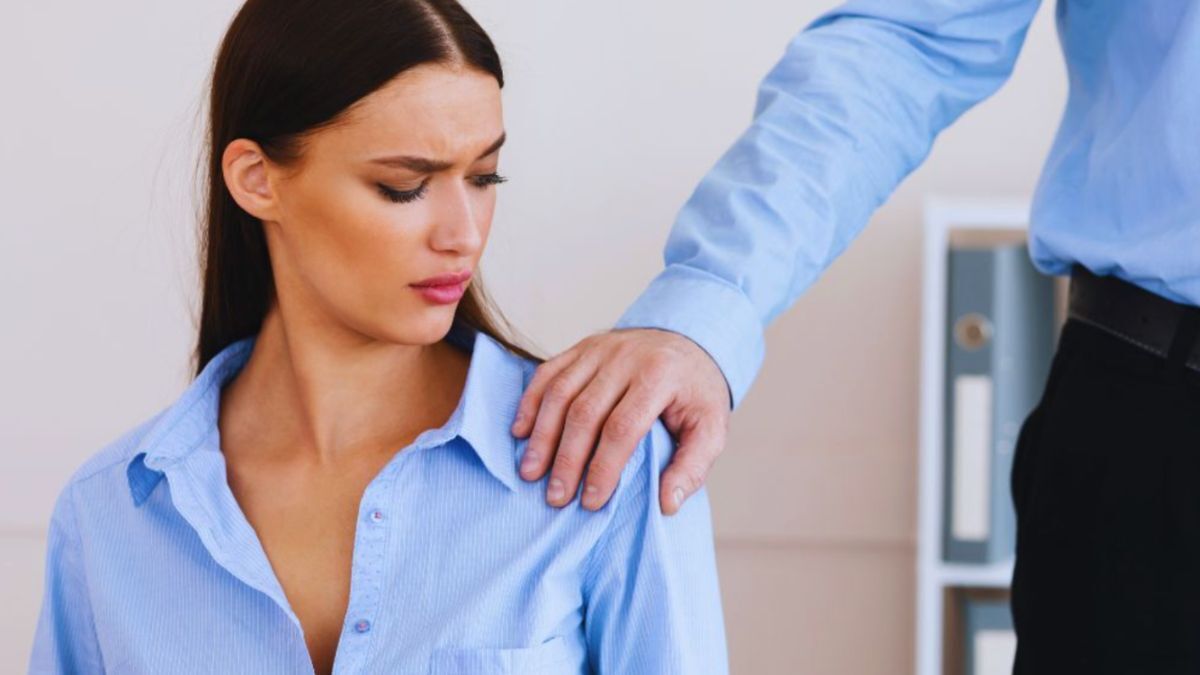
1000	341
991	643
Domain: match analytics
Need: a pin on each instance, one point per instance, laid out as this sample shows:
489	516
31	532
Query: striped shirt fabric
853	106
459	565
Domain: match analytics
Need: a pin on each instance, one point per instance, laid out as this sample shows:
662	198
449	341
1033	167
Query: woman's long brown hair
287	68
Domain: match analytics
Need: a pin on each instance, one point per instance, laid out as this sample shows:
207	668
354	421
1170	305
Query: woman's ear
244	168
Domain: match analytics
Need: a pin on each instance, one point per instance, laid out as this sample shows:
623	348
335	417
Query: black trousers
1106	484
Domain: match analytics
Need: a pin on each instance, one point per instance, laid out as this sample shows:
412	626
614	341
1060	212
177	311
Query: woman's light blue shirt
459	565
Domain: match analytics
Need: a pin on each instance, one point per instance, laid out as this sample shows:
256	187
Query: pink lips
444	289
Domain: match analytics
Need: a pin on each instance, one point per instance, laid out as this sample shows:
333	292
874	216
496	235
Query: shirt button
377	515
362	626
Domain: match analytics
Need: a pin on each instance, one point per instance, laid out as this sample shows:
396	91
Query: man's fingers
531	400
581	430
603	395
560	391
629	422
698	448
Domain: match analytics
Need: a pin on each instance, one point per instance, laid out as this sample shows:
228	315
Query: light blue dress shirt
459	565
853	106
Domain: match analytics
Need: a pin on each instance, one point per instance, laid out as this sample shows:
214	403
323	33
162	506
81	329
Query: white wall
614	110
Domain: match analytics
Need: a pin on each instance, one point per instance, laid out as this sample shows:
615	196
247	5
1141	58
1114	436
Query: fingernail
520	421
677	496
591	496
555	492
528	462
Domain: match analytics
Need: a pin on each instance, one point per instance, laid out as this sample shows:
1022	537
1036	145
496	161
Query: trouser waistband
1145	319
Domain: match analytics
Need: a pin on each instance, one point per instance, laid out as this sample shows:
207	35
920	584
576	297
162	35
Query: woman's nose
457	227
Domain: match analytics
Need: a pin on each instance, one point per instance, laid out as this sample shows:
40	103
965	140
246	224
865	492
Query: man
1108	464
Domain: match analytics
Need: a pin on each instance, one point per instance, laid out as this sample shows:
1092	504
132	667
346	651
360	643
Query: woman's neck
323	395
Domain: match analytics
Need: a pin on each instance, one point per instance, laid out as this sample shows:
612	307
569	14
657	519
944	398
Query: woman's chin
428	327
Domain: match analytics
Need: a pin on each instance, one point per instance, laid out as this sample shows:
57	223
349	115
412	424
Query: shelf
944	218
998	575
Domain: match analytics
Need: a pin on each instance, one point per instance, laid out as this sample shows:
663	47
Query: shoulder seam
82	477
130	439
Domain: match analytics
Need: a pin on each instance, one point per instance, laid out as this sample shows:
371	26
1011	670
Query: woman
337	489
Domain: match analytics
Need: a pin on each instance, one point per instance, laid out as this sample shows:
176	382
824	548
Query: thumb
699	445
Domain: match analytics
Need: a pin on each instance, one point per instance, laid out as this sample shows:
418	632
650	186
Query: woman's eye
403	196
487	179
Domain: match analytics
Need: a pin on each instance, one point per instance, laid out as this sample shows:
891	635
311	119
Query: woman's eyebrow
426	165
495	146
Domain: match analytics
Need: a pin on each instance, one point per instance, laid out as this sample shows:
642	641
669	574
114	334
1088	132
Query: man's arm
850	110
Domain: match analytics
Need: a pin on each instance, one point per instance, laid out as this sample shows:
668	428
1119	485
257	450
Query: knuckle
542	374
719	429
654	373
541	442
594	343
619	427
527	407
559	392
693	476
568	466
535	391
543	437
623	344
658	366
582	412
602	471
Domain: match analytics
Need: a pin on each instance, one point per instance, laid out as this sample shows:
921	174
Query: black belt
1165	328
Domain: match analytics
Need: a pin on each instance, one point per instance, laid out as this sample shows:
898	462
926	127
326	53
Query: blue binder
999	343
990	640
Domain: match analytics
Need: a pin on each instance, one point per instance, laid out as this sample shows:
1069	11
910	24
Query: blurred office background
614	111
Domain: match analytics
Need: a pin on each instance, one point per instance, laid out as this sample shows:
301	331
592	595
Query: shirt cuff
709	311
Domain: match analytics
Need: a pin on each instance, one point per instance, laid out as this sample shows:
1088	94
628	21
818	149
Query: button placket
367	574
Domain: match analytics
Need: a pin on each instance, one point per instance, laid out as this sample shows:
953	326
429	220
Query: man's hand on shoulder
589	407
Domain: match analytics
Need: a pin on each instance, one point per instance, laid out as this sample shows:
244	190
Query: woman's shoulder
650	455
116	452
92	481
653	450
641	476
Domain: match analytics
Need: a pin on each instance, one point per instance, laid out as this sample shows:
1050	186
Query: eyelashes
482	182
487	179
403	196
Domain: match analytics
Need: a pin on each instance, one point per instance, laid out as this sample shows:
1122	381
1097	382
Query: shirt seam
77	543
123	459
78	480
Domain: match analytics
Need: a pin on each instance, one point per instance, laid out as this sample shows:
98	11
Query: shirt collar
495	381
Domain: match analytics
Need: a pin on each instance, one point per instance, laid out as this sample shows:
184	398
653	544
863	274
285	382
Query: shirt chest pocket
553	657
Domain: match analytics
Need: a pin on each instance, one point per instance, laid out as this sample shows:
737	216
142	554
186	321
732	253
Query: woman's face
383	220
